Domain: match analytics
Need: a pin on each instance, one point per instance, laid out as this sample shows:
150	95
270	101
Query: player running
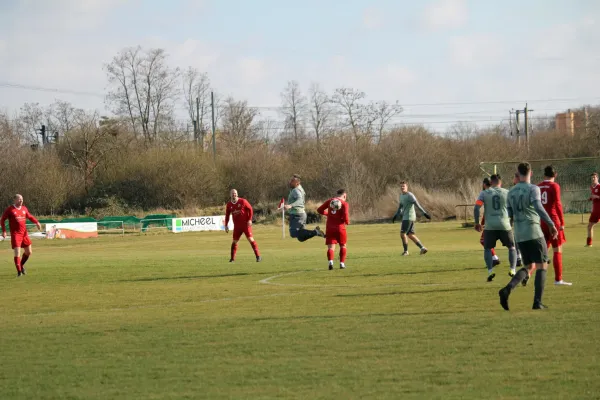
241	212
595	216
297	212
337	211
406	209
17	216
497	224
496	261
525	207
550	195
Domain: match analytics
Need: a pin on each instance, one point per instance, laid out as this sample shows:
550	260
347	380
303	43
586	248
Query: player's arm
536	200
418	205
323	208
34	220
3	221
477	211
346	214
227	214
298	199
398	212
559	207
249	212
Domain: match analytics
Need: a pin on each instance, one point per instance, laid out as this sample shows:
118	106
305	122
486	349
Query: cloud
446	14
373	18
476	51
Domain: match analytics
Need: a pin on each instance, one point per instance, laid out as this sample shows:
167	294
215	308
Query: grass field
167	317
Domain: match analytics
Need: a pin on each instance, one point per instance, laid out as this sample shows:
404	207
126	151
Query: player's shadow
180	277
394	314
419	272
398	293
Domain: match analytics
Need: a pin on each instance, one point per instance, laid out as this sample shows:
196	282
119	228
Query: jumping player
525	207
595	217
406	209
297	213
17	216
496	261
497	225
550	195
335	232
241	212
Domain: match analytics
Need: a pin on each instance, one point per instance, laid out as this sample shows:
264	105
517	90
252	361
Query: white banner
199	224
72	230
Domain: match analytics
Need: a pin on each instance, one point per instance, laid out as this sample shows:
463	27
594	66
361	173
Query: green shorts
533	251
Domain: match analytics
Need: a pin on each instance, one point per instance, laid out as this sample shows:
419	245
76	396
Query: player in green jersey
406	209
526	209
497	224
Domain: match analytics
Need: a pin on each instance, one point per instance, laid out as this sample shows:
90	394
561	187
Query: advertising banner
199	224
72	230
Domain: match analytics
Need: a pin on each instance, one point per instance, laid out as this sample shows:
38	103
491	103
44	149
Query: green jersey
406	207
296	200
522	199
495	211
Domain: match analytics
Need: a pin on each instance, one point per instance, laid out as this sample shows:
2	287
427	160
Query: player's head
234	195
18	200
496	180
516	178
404	187
341	194
486	183
295	181
549	172
524	170
594	178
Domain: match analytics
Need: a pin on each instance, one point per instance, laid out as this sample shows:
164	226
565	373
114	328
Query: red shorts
20	241
560	239
336	237
246	230
595	217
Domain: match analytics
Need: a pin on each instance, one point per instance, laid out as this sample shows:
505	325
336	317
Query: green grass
167	317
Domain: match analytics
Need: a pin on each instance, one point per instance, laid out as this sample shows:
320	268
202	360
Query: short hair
296	176
403	183
495	178
341	192
486	181
524	169
594	174
549	171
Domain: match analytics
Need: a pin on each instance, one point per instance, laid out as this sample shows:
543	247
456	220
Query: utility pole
212	108
525	113
510	125
197	121
517	112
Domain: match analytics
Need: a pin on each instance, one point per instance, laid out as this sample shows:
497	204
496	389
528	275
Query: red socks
493	252
24	260
234	248
255	248
589	241
557	263
18	263
330	255
342	254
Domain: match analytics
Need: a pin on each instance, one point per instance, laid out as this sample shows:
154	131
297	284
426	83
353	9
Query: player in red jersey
241	213
486	185
17	216
550	195
337	211
595	217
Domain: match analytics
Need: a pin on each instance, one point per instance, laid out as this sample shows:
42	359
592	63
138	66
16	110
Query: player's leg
520	276
253	244
27	250
508	241
489	242
411	235
298	226
234	248
539	256
404	227
590	230
342	238
330	252
17	259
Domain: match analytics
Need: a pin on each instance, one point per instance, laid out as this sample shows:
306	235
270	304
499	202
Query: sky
445	61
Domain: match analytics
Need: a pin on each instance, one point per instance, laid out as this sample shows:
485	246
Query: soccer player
516	179
486	185
497	224
241	212
17	216
525	207
297	213
595	217
406	209
550	195
337	211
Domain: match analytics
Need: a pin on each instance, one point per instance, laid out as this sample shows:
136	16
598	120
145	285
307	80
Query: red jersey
241	212
17	220
595	202
336	219
550	195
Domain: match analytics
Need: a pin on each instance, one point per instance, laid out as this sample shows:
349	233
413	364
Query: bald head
234	195
18	200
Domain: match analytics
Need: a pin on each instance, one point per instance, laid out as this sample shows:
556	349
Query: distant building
570	122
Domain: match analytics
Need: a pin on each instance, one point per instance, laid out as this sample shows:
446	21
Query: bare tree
320	110
238	128
196	93
349	100
143	87
294	109
86	147
63	116
31	117
382	112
